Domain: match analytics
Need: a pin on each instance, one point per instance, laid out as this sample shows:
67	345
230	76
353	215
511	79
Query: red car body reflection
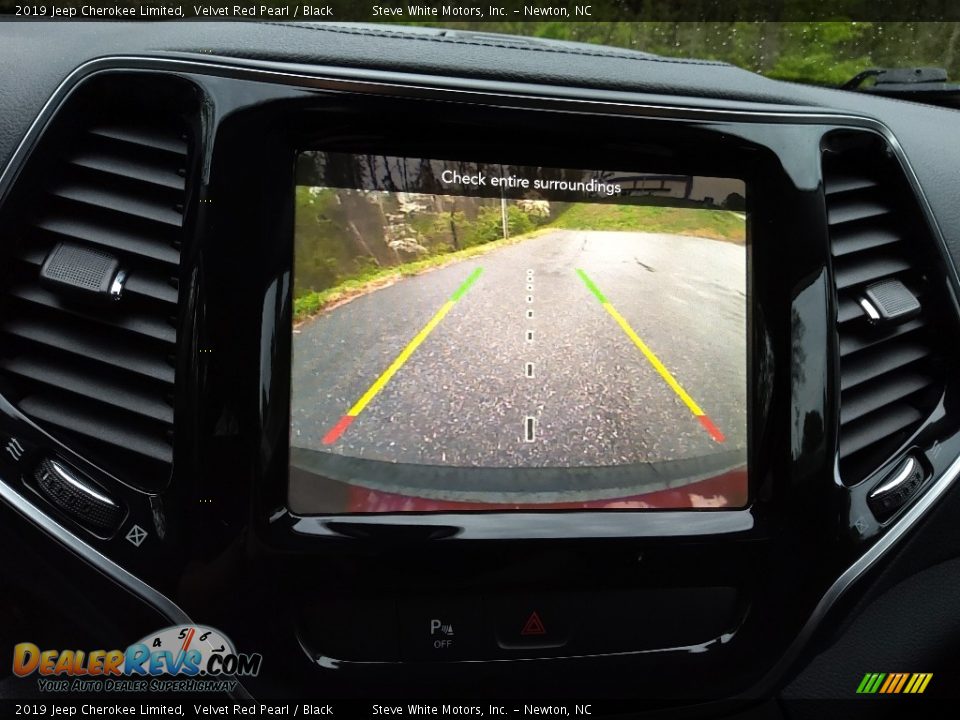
728	490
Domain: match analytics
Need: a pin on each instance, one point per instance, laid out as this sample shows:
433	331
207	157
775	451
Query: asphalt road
463	396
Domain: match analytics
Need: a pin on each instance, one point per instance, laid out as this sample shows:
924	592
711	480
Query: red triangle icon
533	625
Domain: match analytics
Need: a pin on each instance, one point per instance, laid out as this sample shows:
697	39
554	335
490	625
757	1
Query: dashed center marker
337	430
701	416
528	422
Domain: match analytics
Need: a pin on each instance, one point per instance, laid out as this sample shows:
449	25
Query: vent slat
859	239
103	427
142	137
127	396
33	255
835	184
872	396
848	309
104	236
867	269
845	209
869	365
152	288
876	428
119	202
851	343
141	324
92	345
129	169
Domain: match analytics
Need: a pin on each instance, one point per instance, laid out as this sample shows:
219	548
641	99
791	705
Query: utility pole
503	214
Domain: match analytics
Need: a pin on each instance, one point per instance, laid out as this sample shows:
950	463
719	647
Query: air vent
890	370
101	376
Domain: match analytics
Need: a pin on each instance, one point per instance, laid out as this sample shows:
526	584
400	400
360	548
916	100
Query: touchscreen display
478	336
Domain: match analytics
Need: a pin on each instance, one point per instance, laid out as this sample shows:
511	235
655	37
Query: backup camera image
472	336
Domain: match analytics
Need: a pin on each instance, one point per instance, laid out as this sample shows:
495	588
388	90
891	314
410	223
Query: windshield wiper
927	85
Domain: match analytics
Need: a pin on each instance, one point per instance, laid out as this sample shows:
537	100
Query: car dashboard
173	152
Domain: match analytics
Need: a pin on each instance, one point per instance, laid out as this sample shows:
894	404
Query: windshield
822	53
780	40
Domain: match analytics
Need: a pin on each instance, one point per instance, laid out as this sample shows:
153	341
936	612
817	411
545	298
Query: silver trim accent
331	663
895	481
94	557
869	309
370	81
360	80
89	554
116	287
66	476
581	525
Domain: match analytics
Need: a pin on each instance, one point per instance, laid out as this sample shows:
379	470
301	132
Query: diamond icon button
136	535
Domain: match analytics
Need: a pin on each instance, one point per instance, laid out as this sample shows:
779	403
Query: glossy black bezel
412	133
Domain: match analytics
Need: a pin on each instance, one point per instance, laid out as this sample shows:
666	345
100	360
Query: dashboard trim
160	602
122	577
861	566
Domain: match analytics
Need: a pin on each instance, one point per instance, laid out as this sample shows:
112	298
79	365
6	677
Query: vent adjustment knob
77	270
897	488
79	498
889	301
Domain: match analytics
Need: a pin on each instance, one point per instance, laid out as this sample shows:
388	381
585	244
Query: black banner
485	11
902	706
314	709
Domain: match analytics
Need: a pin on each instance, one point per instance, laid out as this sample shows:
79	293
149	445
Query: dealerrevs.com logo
188	658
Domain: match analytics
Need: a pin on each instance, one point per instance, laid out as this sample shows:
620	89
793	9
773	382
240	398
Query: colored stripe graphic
900	682
591	287
337	430
918	683
894	684
891	679
695	409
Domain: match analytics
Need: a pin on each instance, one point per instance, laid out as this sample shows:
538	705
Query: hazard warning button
526	622
533	625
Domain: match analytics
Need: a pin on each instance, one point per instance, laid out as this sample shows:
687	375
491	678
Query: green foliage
485	233
320	251
716	224
489	225
332	263
828	53
311	303
435	231
364	266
